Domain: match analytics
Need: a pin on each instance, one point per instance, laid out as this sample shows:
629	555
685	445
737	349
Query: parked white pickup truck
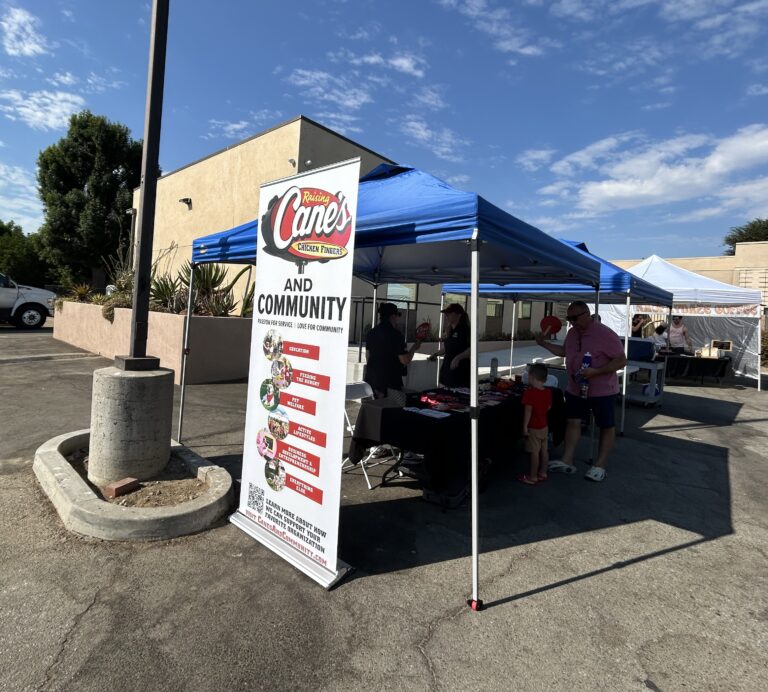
24	306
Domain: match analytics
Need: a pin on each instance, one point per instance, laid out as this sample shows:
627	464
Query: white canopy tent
711	310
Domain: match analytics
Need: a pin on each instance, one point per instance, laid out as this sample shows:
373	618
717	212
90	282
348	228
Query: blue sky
639	126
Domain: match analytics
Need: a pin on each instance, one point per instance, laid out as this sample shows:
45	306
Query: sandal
561	467
596	474
524	479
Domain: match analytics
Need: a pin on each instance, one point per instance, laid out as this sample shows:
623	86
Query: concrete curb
82	511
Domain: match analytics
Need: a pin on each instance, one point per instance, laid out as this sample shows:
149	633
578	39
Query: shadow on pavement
660	474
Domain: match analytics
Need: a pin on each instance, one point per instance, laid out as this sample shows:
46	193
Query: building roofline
267	131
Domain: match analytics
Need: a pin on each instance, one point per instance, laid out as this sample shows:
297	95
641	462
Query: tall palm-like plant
211	296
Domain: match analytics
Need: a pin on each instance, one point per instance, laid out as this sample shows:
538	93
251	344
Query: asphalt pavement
655	579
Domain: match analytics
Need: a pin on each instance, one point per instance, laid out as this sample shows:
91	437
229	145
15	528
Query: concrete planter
82	511
219	346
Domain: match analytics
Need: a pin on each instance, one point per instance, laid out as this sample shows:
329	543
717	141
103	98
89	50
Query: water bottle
586	362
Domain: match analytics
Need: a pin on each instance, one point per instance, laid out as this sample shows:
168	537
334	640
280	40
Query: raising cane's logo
307	224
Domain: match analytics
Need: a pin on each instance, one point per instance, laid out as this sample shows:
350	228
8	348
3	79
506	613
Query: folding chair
357	391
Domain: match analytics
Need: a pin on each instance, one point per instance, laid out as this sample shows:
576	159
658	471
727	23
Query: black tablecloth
690	366
446	442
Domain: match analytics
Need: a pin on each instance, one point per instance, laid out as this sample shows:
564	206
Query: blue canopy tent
617	286
413	227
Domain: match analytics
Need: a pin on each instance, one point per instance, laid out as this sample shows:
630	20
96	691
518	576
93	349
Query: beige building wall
747	268
224	187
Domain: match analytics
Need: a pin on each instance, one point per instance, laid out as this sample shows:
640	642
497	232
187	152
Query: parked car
24	306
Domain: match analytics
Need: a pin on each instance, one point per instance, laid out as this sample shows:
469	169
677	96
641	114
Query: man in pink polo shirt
588	336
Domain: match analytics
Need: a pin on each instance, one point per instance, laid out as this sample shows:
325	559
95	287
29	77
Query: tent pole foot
475	604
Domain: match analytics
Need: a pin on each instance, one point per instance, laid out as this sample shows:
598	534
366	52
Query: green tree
20	256
86	183
755	230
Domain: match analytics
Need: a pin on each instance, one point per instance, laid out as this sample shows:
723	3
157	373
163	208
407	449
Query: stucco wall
323	147
219	346
224	189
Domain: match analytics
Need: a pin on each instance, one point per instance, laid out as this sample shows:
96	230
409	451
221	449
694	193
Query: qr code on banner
256	497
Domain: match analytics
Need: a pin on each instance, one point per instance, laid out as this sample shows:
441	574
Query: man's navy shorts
603	407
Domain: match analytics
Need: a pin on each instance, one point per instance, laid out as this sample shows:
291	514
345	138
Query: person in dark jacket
455	370
386	353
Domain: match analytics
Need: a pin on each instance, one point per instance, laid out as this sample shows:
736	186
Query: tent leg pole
475	603
597	299
759	351
439	337
624	377
512	338
185	351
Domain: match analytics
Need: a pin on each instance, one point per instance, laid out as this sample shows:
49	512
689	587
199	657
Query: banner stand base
323	576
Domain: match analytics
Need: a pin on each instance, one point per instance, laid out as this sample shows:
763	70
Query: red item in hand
422	331
551	325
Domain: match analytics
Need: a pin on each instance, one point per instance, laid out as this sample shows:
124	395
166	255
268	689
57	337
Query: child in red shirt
537	400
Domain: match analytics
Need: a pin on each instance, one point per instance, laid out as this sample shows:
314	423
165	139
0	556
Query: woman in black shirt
455	370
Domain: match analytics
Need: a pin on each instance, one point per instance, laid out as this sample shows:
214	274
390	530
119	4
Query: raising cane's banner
291	480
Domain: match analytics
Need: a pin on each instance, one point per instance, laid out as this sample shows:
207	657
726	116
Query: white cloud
229	130
499	23
442	142
626	59
533	159
430	97
322	87
403	62
757	90
697	215
658	106
750	196
553	225
96	84
241	129
590	156
363	33
266	116
20	35
62	79
41	110
687	10
662	172
458	180
562	189
18	197
345	123
408	64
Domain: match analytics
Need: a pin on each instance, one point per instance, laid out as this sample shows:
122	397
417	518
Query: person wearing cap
386	353
455	370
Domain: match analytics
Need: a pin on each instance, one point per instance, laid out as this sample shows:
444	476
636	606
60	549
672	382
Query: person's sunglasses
573	318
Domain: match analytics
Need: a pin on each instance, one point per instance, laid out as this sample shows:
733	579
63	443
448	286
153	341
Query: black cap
453	307
387	310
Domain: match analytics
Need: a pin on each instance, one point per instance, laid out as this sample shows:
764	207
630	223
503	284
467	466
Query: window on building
525	310
494	308
401	292
456	298
548	308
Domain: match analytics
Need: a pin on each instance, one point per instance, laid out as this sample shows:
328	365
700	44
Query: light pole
137	359
131	411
